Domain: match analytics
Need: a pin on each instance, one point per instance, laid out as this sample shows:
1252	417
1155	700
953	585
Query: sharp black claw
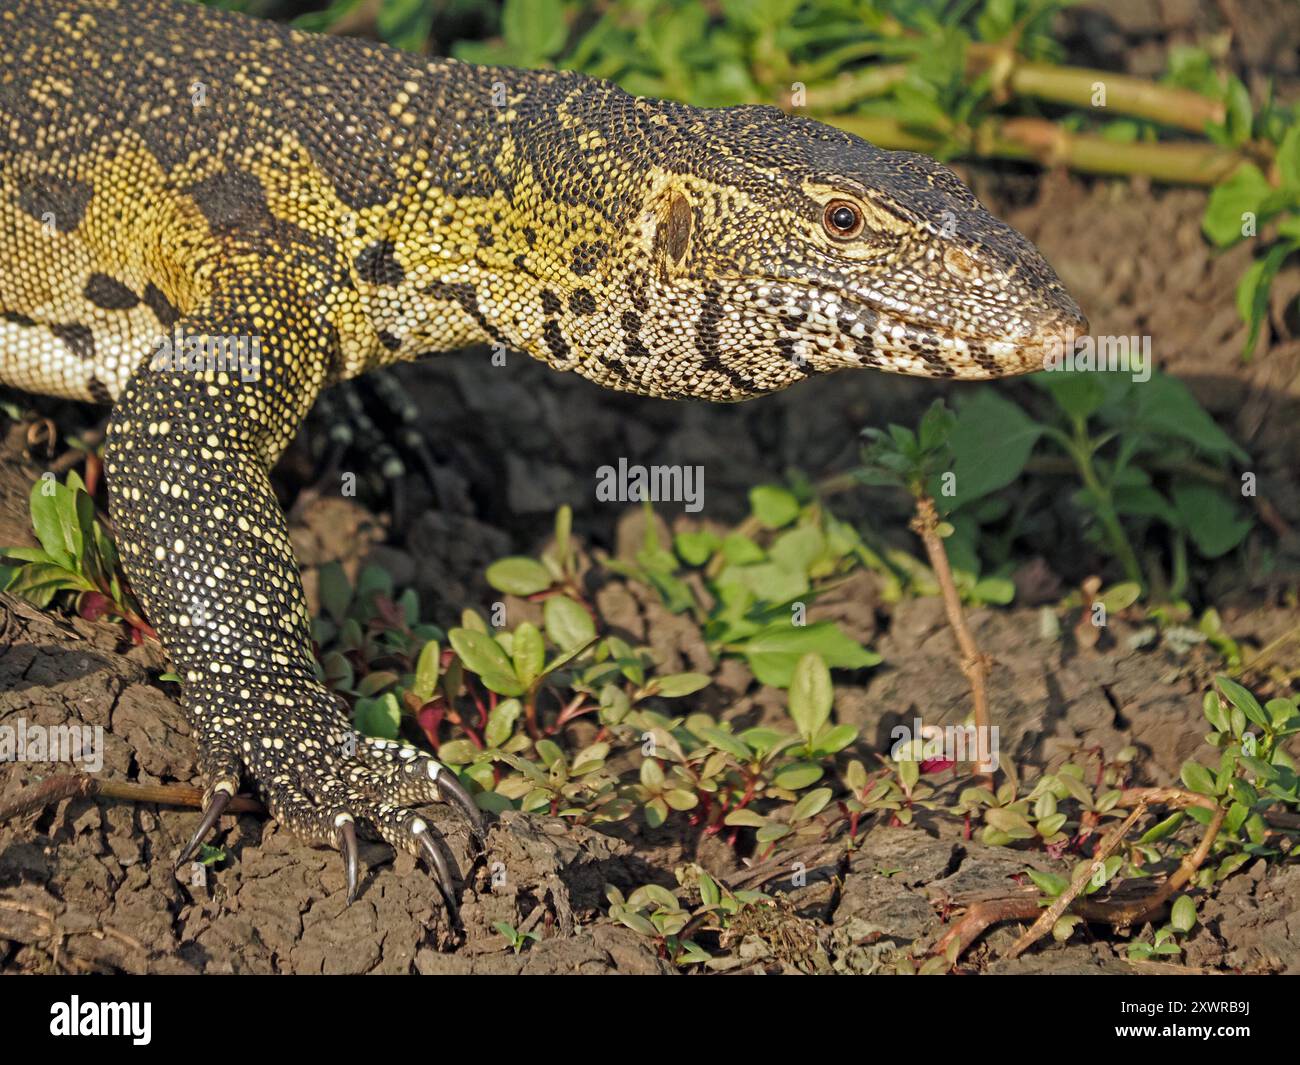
216	807
452	790
439	864
348	845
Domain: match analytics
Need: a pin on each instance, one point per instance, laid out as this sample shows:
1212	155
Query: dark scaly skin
169	172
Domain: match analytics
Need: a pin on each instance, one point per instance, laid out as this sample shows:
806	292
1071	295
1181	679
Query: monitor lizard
206	218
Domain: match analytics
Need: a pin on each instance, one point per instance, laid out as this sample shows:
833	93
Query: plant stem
1052	914
1120	915
1267	652
1081	449
82	785
1038	140
974	664
1014	76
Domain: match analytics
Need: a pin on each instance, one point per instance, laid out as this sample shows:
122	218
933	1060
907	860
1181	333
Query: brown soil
89	885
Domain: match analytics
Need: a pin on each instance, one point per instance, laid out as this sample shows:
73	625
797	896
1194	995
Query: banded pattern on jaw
172	170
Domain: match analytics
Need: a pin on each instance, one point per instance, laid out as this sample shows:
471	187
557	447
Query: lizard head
764	248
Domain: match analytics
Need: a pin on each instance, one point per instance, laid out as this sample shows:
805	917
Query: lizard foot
326	780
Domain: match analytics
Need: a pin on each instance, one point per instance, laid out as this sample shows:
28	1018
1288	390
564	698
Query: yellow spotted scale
206	218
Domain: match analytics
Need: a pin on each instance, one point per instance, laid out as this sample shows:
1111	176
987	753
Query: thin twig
1052	914
1118	914
1180	798
1267	652
1142	909
81	785
1015	76
1038	140
974	664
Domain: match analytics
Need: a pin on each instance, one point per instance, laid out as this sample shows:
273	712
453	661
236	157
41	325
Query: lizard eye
843	220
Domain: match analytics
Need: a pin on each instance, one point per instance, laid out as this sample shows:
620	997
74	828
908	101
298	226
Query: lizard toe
347	843
215	803
404	829
409	776
221	767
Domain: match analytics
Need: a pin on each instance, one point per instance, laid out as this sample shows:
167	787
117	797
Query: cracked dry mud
89	885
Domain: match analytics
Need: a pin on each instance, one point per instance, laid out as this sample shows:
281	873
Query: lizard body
176	181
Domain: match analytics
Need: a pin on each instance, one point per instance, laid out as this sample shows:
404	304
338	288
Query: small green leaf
1183	914
48	522
811	695
1244	701
774	652
39	583
992	440
1243	191
1198	778
335	591
380	717
725	741
427	669
696	548
676	685
501	722
1162	830
798	775
568	624
1048	883
483	655
374	683
774	507
811	804
834	740
746	818
1215	524
529	652
519	576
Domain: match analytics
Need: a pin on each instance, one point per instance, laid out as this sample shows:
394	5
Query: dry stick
100	932
81	785
1267	652
827	855
1180	799
1014	76
973	664
1141	909
1047	921
1038	140
1120	915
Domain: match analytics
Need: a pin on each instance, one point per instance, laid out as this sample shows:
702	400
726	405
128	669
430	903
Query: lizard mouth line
846	330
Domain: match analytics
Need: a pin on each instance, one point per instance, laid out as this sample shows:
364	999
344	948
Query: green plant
515	938
1255	773
1150	463
497	703
660	915
77	556
1263	190
371	645
1165	940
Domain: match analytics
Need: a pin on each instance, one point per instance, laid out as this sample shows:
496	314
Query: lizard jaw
832	331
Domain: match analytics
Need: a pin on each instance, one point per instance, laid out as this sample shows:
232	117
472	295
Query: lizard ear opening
675	227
